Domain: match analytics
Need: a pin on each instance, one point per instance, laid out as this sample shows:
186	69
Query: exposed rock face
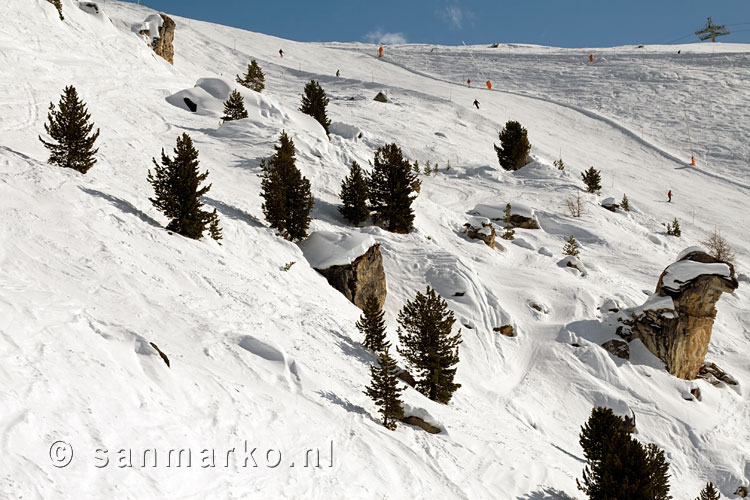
618	348
365	276
58	6
380	97
163	45
89	7
715	375
741	492
163	356
480	228
675	323
411	420
506	330
523	222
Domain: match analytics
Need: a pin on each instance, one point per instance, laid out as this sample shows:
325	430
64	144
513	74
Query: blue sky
586	23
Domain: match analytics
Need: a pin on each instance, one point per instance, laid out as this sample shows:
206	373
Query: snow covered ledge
351	263
675	323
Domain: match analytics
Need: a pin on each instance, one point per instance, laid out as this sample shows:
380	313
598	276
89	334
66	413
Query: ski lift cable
473	60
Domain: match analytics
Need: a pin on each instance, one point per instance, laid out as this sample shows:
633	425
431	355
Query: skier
338	73
281	53
476	103
468	82
669	196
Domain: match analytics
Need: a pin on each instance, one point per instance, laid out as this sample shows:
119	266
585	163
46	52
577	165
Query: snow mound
324	249
497	211
345	130
690	250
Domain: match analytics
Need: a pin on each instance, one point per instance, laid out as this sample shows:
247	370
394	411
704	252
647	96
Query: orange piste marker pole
489	85
591	57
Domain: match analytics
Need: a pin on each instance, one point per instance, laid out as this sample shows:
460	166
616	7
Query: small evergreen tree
59	7
234	107
509	233
385	391
673	228
514	146
427	169
354	195
254	78
429	347
709	493
314	103
288	201
592	178
559	164
391	186
571	247
618	467
72	143
435	169
177	192
625	203
372	325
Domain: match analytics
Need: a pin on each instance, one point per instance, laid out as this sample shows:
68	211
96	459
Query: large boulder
352	264
418	422
675	323
521	215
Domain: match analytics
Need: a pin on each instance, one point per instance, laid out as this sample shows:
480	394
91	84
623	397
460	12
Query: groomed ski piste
89	277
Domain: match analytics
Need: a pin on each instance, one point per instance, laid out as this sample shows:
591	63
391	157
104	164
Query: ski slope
89	278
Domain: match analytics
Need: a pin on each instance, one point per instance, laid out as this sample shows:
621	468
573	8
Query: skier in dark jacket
476	103
669	196
281	53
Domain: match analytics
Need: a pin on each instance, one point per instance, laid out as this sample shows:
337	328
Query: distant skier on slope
476	103
281	53
669	196
468	82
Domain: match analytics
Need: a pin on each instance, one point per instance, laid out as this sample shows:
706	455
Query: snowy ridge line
591	114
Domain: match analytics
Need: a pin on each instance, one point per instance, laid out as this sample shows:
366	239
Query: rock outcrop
480	228
365	276
675	323
380	97
159	30
618	348
506	330
163	45
412	420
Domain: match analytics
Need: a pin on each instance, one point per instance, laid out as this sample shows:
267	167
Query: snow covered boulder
521	216
573	263
480	228
675	323
159	30
610	204
352	264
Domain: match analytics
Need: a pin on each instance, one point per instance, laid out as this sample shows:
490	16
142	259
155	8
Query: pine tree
592	178
254	78
314	103
429	347
619	467
69	127
59	7
559	164
571	247
288	201
354	195
391	189
673	229
625	203
385	391
177	192
514	146
234	107
372	325
709	493
509	233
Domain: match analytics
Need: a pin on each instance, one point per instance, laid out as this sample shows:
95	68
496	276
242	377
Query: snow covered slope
270	359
